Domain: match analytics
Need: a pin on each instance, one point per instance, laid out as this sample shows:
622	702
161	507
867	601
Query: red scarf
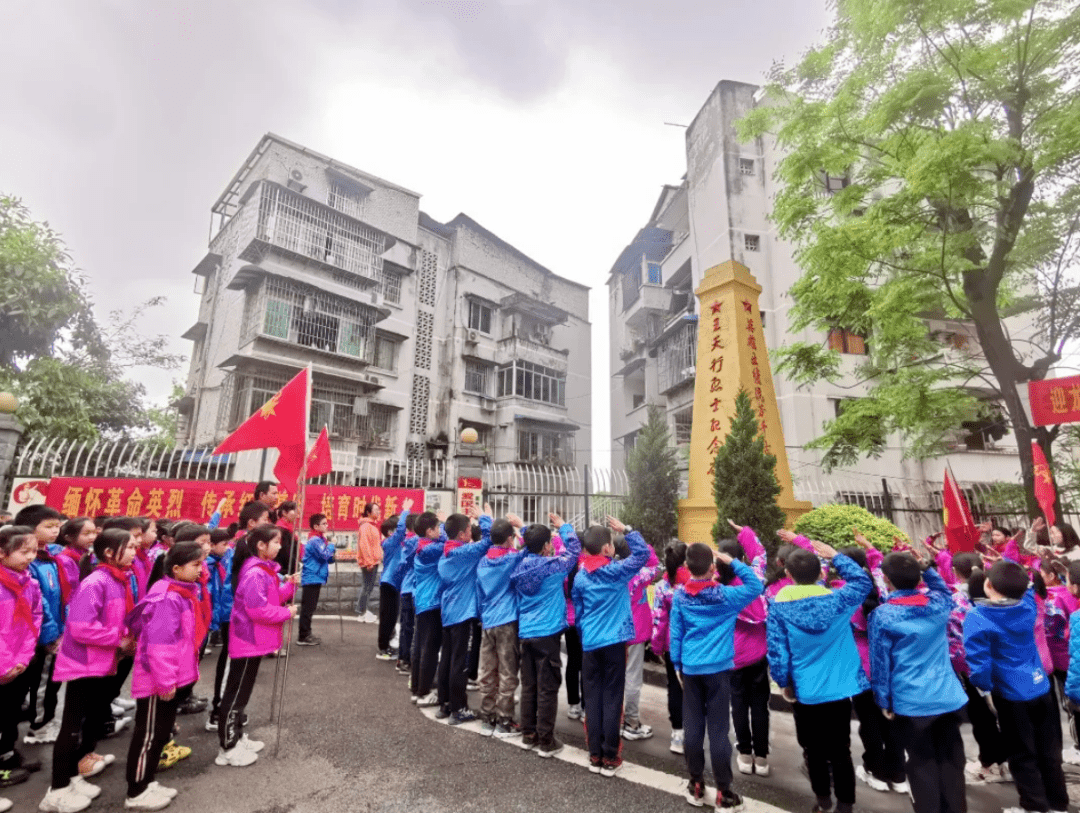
204	605
23	610
593	561
75	555
187	590
121	575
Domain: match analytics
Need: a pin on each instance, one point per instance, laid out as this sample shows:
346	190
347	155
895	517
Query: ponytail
674	558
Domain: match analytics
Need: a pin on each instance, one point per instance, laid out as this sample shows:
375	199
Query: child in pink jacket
94	637
166	659
255	625
675	575
633	728
20	623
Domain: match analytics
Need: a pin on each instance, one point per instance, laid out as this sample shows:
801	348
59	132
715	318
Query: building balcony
515	347
652	300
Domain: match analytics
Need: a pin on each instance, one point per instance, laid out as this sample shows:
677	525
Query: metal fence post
588	517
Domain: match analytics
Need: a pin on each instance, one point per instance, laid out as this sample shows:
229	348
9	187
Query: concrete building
720	212
415	329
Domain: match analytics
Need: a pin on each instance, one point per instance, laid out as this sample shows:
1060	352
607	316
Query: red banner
197	499
1055	400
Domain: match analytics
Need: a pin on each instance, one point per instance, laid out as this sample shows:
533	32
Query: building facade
415	329
720	211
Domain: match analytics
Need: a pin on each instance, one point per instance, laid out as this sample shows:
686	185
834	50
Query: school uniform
43	690
20	621
318	554
390	584
407	610
221	600
500	651
427	596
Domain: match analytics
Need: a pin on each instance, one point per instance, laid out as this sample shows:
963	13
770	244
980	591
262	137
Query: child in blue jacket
427	599
814	660
219	561
601	596
457	569
915	685
702	628
318	554
999	641
538	582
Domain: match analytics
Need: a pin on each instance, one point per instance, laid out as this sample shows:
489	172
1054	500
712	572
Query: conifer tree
653	471
744	480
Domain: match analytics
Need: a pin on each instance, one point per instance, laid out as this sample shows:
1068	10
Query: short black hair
699	558
315	519
536	536
123	523
287	506
425	522
501	531
1009	579
902	570
111	539
181	554
596	537
252	511
189	533
389	525
410	522
455	524
13	537
803	566
219	535
369	507
34	515
622	547
732	547
264	487
966	563
976	583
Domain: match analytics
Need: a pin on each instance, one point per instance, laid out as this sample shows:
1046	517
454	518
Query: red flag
280	423
1045	493
318	459
961	532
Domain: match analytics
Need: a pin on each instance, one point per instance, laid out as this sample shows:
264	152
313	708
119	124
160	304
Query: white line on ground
630	772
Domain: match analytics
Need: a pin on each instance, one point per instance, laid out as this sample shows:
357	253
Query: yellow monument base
731	356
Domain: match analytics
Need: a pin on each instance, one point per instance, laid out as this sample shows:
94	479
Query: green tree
930	172
653	472
834	525
744	479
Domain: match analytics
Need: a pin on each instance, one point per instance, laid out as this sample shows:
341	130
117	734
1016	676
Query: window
477	377
534	382
545	446
676	358
834	183
847	341
752	242
683	424
746	166
391	287
385	357
479	316
376	429
331	404
310	318
345	199
656	275
637	400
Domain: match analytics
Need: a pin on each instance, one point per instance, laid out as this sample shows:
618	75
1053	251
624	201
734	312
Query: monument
731	355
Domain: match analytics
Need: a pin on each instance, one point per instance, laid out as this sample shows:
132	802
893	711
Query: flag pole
302	489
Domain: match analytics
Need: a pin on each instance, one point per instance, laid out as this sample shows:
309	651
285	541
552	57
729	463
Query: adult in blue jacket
999	642
602	615
538	582
457	569
814	660
427	599
318	554
914	682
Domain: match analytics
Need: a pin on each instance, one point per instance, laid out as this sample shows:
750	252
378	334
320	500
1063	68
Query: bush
832	525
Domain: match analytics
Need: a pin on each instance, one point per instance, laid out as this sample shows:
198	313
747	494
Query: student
291	555
427	596
999	642
675	574
166	626
186	700
258	616
43	689
641	614
457	569
142	565
318	554
20	620
369	554
407	616
703	617
1054	570
814	660
220	561
1071	689
389	586
500	651
914	684
77	538
602	610
538	583
95	637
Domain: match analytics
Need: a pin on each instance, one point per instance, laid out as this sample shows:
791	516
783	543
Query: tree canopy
931	158
653	471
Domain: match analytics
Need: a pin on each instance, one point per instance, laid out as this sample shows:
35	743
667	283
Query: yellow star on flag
267	409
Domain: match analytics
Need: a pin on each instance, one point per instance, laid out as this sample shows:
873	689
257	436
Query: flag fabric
280	423
1045	493
961	533
319	460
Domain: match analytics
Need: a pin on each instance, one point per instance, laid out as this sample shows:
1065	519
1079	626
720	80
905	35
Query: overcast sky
544	120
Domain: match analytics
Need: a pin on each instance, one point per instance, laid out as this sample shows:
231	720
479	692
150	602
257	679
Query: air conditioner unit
487	402
370	379
472	336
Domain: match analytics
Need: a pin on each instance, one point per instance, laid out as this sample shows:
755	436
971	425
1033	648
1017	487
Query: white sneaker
745	763
638	732
676	746
44	735
575	712
85	788
1071	756
900	787
252	745
237	757
6	805
870	780
369	618
170	792
394	641
430	699
63	800
125	703
149	799
116	709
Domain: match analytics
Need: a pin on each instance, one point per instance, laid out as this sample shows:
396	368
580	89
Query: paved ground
352	741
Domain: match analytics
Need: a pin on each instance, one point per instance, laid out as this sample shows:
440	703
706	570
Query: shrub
832	525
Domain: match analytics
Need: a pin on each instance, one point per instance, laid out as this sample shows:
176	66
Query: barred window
533	381
477	377
677	358
391	287
376	429
545	446
683	425
332	404
479	316
306	316
385	356
345	199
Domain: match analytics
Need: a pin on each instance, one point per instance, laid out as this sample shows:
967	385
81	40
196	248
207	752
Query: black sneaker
823	806
215	638
695	793
13	776
17	760
403	668
728	800
610	767
465	715
530	740
193	705
386	654
549	749
212	721
595	763
442	713
311	640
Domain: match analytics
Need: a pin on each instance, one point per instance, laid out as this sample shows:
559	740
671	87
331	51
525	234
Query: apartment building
718	212
415	329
